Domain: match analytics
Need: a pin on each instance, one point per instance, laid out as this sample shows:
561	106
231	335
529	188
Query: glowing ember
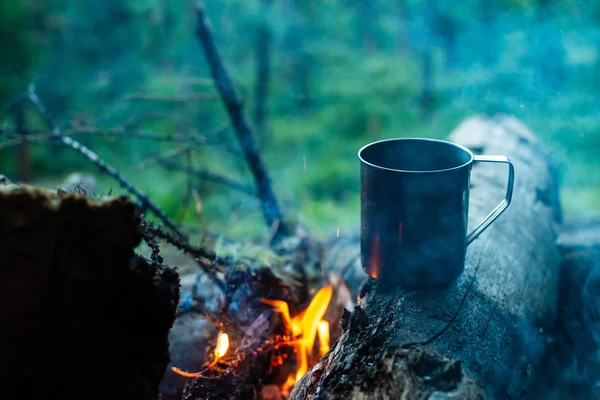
374	268
305	327
220	350
222	345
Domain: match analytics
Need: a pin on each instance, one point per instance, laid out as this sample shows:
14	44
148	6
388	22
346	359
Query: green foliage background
343	74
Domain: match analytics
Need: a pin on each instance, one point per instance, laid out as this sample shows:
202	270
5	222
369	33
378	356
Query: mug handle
491	217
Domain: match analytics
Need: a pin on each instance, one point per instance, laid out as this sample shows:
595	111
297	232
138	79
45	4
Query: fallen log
82	316
571	366
491	320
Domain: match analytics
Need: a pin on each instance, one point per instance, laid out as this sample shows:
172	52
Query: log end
81	313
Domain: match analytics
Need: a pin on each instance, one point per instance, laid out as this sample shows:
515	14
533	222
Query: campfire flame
305	328
220	350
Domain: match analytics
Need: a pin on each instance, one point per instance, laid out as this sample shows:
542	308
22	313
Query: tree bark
491	319
82	316
571	367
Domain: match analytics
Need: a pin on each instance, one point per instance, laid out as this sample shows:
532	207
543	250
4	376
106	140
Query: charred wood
81	314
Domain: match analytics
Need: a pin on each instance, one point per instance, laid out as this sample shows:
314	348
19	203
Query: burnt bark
492	319
81	314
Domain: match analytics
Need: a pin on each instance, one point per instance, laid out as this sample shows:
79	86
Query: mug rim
463	148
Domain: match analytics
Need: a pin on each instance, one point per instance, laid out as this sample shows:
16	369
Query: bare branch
41	136
107	168
170	98
207	176
186	148
114	132
198	252
17	140
23	164
264	191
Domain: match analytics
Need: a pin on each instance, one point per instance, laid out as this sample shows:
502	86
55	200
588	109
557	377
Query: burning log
82	316
491	321
279	313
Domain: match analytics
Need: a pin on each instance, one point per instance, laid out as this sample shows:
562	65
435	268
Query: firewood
260	357
491	321
571	367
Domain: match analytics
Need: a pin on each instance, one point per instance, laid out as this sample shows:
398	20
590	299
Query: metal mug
414	204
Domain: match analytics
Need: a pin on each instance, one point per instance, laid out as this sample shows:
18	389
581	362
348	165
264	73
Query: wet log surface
492	319
572	363
82	316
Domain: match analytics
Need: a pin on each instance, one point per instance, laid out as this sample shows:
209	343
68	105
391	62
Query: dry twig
207	176
146	203
183	149
153	231
169	98
264	190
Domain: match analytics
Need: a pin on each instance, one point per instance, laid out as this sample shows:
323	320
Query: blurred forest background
319	79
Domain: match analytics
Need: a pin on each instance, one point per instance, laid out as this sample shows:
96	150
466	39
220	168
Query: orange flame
220	350
222	345
323	332
305	327
374	268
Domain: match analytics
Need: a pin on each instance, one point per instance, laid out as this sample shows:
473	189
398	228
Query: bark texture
571	367
82	316
492	319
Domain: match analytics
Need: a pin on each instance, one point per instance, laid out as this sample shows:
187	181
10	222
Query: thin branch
189	190
170	98
23	164
264	190
17	140
208	176
198	252
183	149
107	168
41	136
191	80
115	132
